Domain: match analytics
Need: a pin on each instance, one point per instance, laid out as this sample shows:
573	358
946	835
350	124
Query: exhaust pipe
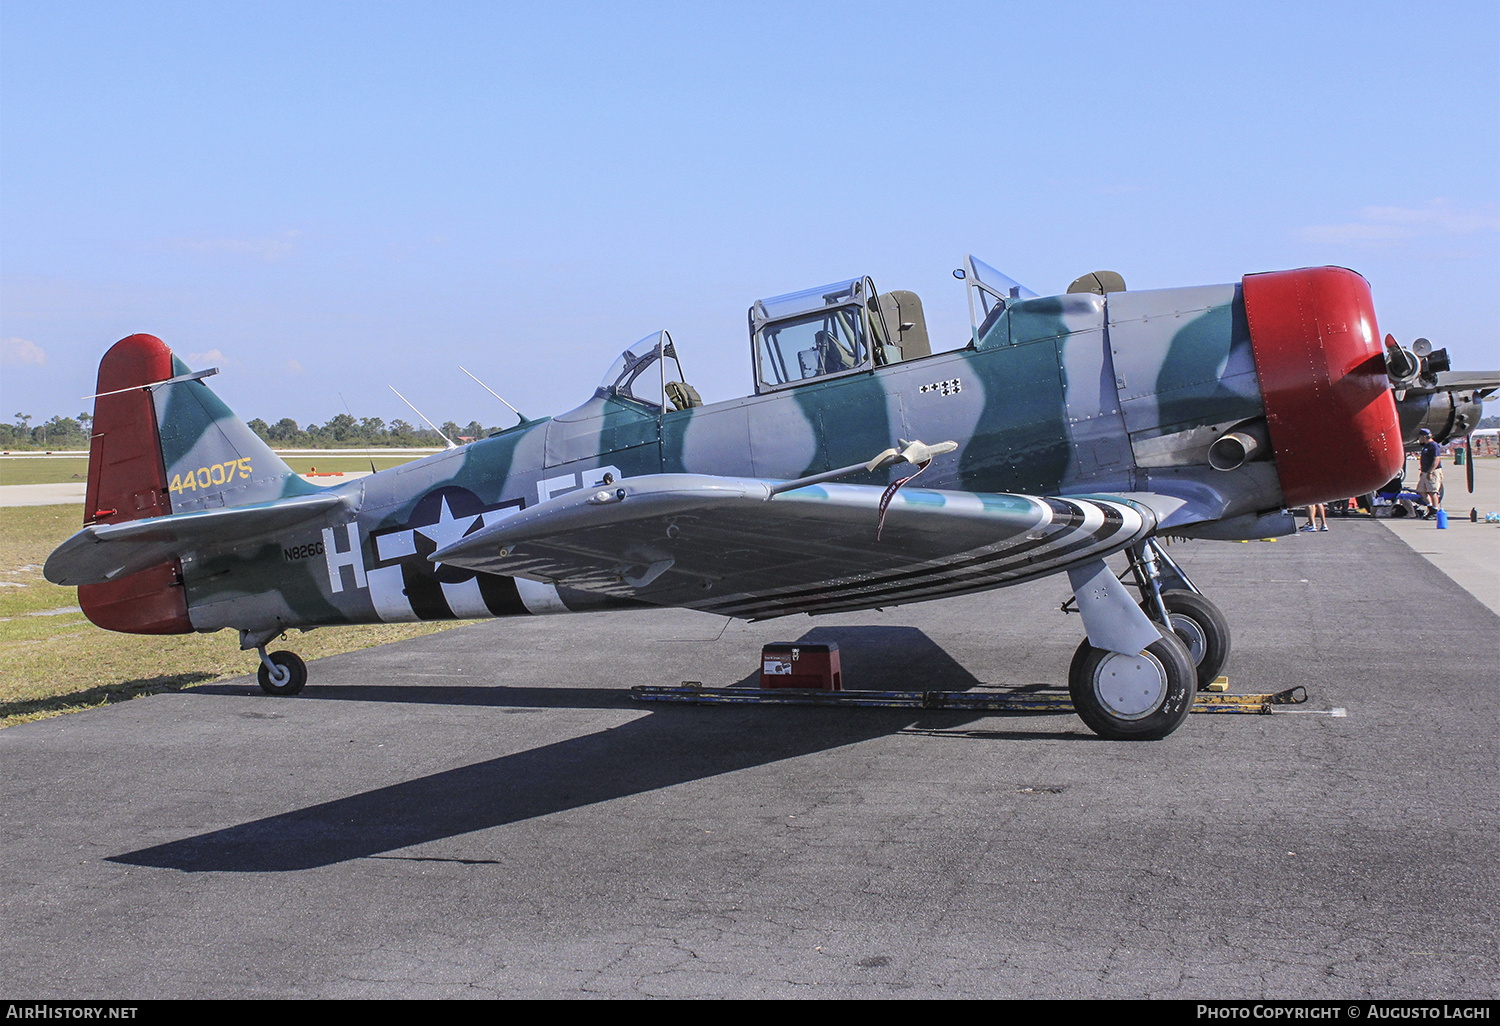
1236	447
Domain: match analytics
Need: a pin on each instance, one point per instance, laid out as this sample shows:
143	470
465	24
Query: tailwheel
1134	698
282	673
1203	629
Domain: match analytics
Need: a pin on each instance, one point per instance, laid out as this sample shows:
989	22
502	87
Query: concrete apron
1469	553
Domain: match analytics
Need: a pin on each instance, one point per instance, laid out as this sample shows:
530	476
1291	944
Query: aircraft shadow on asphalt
671	745
875	658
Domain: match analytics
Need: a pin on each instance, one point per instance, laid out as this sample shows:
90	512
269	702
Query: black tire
1202	627
1105	696
296	674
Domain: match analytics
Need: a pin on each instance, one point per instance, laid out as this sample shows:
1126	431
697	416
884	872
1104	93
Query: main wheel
290	676
1133	698
1203	629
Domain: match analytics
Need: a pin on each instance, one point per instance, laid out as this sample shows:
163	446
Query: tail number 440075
209	476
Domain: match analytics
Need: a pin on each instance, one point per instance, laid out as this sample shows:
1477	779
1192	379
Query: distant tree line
342	432
345	432
57	433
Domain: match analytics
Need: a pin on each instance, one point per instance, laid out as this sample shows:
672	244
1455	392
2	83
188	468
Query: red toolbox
801	666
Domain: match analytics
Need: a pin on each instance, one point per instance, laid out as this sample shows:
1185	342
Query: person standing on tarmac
1430	484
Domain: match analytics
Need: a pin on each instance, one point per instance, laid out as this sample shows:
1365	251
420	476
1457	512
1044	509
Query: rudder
127	481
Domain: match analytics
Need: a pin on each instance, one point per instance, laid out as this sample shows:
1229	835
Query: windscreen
637	374
989	291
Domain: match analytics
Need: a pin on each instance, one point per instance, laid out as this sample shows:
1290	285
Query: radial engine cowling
1329	408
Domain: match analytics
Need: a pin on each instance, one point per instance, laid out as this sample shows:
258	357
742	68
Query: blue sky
327	198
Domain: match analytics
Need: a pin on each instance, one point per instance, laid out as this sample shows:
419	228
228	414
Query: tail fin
211	458
163	444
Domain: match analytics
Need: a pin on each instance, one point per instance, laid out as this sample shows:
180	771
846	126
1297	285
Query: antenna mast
419	413
497	395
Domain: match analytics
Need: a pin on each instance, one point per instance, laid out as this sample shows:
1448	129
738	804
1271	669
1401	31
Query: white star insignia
448	528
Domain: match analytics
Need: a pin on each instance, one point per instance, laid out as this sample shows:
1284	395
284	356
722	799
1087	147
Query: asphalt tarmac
484	813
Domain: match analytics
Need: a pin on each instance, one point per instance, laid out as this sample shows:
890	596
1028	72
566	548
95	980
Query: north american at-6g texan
1066	429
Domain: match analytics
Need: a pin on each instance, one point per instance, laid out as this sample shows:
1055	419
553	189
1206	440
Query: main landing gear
1202	627
1180	637
1133	698
281	673
1168	597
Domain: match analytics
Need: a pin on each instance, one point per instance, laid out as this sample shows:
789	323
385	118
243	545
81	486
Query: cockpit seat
902	313
1100	283
832	355
683	395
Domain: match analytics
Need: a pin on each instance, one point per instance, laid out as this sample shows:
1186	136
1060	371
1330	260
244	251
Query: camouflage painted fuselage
1076	395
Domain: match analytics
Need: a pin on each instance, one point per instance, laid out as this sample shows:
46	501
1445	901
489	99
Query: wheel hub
1191	633
1130	687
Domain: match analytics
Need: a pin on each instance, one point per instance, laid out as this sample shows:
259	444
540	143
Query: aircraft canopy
639	373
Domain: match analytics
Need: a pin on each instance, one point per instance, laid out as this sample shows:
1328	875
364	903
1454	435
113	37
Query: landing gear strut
1169	598
1202	627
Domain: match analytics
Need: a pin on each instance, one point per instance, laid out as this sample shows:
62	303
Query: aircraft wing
1459	381
103	552
741	547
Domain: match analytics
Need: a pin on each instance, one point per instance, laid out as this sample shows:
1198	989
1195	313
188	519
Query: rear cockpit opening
833	330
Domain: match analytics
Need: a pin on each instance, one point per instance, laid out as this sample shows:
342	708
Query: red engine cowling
127	481
1323	380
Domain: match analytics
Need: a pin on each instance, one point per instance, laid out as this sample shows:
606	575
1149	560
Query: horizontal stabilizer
105	552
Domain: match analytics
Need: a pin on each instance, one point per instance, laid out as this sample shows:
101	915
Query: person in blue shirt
1430	483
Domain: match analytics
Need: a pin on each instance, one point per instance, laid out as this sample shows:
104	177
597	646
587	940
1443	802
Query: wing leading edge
739	547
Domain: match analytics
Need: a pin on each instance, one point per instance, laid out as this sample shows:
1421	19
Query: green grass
59	662
43	469
304	463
